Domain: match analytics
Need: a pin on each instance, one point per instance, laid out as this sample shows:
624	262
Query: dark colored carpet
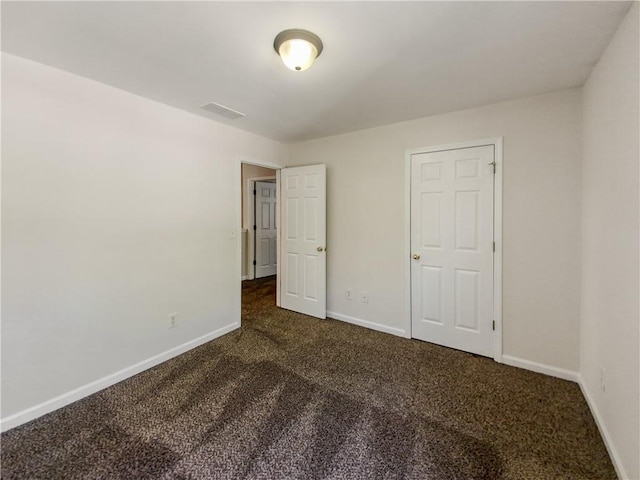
287	396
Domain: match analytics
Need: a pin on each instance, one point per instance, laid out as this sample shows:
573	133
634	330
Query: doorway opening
283	247
259	242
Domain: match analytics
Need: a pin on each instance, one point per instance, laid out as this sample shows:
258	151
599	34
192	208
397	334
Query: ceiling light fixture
297	48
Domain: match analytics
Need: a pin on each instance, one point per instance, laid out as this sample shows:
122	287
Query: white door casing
303	269
265	229
452	242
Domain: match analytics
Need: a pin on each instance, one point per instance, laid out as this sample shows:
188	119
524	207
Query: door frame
249	214
496	142
260	163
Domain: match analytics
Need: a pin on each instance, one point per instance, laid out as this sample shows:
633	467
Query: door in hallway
265	228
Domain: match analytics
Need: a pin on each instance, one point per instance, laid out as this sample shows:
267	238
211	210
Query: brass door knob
416	256
320	249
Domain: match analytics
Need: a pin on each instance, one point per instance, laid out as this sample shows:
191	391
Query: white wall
116	211
541	228
610	308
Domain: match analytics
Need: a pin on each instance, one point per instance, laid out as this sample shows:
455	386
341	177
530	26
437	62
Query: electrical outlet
603	385
348	294
364	297
173	320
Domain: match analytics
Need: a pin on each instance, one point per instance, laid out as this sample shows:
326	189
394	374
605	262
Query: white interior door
303	235
265	229
452	248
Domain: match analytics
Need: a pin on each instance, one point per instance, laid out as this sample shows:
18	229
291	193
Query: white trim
248	218
238	215
407	243
497	232
497	257
243	231
540	368
259	163
456	146
367	324
76	394
278	243
604	433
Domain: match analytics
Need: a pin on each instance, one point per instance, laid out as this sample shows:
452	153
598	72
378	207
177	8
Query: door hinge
494	246
255	192
254	263
494	325
255	228
493	164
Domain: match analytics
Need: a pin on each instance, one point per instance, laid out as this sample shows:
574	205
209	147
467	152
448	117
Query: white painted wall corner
613	454
577	378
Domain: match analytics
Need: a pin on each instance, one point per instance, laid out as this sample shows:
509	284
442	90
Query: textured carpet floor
288	396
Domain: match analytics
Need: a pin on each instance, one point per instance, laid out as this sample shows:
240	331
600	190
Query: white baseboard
243	278
367	324
60	401
574	377
613	454
540	368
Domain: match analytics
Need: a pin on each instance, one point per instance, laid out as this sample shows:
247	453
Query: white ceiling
383	62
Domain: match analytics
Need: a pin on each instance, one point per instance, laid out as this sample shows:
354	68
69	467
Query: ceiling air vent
223	111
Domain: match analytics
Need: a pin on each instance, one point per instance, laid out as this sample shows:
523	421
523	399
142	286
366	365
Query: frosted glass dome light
297	48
